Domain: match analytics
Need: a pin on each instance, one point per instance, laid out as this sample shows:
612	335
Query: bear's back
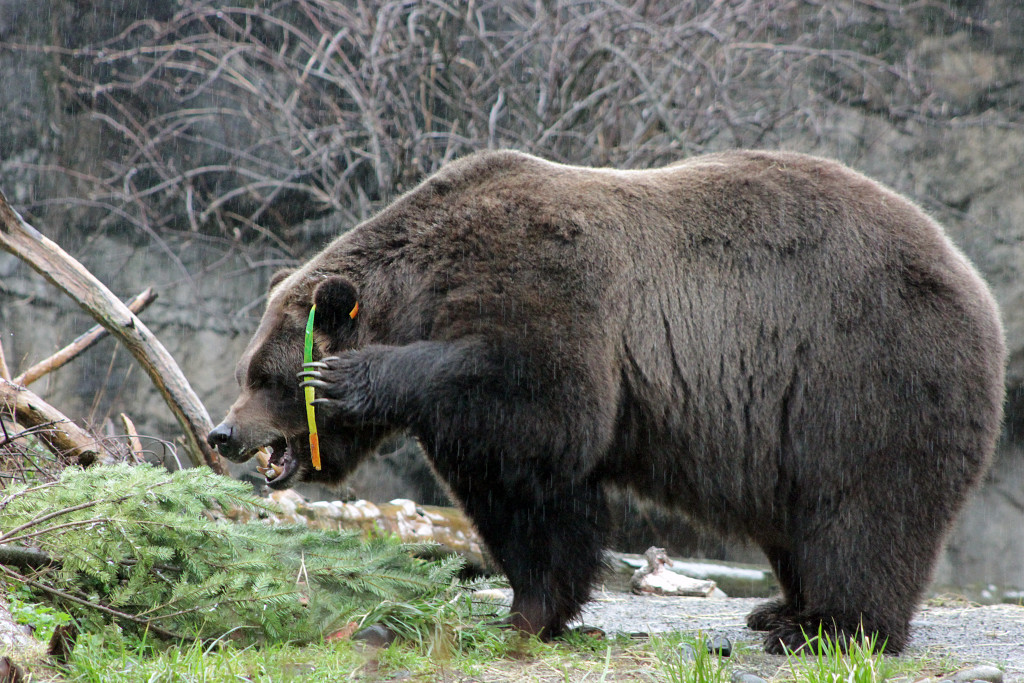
754	304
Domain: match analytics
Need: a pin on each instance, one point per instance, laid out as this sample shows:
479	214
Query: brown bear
768	342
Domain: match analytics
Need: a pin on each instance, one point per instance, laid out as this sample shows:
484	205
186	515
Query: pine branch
51	529
63	595
81	506
154	553
40	487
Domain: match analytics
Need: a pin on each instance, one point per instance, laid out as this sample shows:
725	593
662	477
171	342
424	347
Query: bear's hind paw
770	615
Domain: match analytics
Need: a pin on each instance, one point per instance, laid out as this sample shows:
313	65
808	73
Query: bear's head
270	409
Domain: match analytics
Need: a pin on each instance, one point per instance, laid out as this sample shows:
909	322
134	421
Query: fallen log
68	275
61	435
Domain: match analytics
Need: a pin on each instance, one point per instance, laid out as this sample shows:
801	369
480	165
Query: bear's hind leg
780	610
859	576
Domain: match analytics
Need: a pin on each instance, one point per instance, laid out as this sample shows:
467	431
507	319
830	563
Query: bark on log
61	434
68	275
136	305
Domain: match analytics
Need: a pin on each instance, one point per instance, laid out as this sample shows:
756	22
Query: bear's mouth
278	462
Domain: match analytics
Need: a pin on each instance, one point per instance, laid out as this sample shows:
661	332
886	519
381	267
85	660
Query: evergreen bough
139	545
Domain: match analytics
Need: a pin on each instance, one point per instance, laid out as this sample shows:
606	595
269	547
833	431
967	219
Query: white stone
407	506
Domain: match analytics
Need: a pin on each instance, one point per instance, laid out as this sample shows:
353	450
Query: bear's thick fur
768	342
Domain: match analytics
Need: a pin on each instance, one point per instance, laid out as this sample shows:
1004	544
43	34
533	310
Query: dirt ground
958	633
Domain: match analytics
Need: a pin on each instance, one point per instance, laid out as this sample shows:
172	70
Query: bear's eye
277	386
272	372
258	380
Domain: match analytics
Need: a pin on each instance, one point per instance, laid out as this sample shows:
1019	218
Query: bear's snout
222	438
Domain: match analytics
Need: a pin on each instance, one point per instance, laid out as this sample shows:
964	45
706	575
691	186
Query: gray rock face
948	133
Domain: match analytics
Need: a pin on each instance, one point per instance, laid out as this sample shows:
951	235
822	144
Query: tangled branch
247	120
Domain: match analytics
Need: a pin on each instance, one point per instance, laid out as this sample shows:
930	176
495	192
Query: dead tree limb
62	436
136	305
68	275
4	372
134	443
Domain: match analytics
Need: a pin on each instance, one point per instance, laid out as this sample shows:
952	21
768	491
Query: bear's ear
278	277
336	306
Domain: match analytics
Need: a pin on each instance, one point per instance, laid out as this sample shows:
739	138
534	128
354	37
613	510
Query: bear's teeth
270	472
263	455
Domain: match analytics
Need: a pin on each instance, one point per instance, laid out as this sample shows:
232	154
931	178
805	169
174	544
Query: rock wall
952	137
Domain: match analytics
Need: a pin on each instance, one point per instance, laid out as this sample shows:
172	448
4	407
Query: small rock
367	509
744	677
288	501
687	653
322	508
408	507
978	673
375	636
720	645
497	596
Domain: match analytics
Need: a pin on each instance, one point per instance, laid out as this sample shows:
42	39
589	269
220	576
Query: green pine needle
143	546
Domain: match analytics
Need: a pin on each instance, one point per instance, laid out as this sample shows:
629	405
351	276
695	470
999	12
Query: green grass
860	664
830	665
686	659
486	654
109	656
463	650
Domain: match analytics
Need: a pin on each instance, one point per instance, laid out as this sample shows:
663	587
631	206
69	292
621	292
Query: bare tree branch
5	372
307	108
136	305
57	267
61	435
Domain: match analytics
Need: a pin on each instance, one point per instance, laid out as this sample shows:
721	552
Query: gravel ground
965	635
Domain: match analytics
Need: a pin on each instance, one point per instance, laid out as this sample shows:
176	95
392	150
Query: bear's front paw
342	385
